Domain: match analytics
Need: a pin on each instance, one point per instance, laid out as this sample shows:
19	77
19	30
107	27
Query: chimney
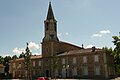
82	46
93	49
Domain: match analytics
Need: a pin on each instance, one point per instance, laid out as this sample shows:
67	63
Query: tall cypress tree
27	58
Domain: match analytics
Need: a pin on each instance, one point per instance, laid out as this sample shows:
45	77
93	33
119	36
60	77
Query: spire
50	14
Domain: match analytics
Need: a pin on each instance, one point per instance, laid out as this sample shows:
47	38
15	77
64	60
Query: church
60	59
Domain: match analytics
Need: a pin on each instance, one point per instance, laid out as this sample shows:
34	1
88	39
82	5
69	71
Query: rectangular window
39	62
84	59
97	70
110	70
96	59
74	71
33	72
2	70
63	61
19	65
85	70
26	73
47	50
33	63
13	65
56	72
13	73
47	62
74	60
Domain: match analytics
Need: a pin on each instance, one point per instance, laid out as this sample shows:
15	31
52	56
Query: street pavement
69	79
88	79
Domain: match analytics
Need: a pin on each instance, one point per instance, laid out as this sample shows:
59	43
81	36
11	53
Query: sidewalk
85	79
118	78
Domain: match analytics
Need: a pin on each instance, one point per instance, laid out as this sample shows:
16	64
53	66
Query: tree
116	53
14	57
27	59
1	60
55	65
6	64
108	50
22	55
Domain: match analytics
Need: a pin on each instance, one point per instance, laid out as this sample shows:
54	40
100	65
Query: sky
87	22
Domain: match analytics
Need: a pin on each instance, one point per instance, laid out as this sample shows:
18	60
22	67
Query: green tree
14	57
108	50
55	65
6	64
116	53
1	60
22	55
27	58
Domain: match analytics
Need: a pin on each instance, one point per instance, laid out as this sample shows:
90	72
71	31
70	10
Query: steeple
50	14
50	26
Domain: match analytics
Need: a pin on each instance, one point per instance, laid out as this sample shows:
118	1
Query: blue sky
88	22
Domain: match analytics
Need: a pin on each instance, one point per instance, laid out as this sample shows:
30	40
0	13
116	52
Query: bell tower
50	42
50	25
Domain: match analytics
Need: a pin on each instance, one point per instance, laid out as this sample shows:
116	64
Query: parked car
42	78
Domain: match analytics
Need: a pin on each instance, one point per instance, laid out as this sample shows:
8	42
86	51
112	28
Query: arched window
55	26
47	25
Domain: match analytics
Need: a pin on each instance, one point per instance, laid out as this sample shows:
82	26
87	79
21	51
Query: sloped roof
88	50
50	14
36	56
1	66
70	44
32	57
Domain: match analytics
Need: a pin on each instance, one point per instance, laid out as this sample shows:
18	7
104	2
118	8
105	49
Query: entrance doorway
63	73
47	73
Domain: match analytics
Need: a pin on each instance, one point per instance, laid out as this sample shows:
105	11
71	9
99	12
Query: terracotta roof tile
1	66
78	51
70	44
32	57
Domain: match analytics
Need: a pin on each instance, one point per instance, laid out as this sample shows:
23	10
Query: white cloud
96	35
66	33
63	34
36	53
18	50
89	46
101	33
33	46
105	31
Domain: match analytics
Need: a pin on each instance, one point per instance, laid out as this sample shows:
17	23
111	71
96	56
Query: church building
60	59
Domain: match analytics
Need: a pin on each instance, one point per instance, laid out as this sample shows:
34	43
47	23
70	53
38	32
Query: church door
47	73
63	73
